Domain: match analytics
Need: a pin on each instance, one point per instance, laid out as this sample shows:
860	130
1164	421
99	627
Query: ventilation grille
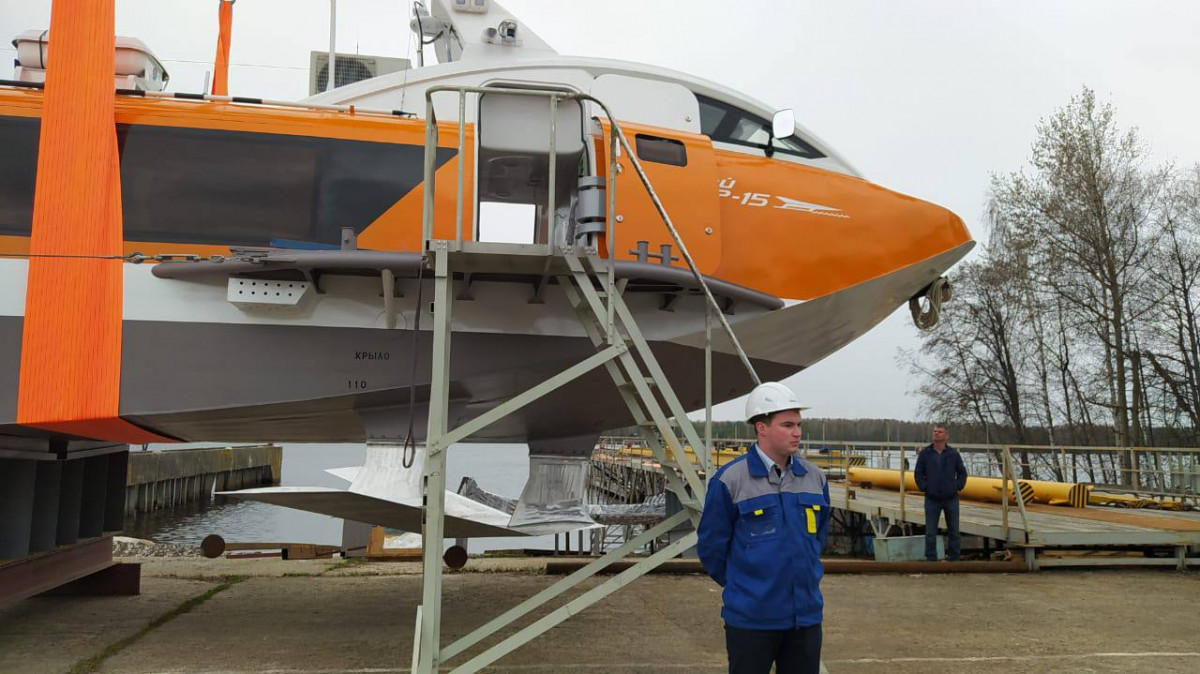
348	69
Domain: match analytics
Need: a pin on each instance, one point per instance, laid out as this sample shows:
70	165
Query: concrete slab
50	634
1097	621
528	565
343	624
221	567
1055	621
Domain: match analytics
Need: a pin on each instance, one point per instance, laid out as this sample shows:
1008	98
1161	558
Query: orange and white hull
808	255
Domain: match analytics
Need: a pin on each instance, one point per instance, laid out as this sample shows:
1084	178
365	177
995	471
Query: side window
18	173
725	123
661	150
185	185
750	130
712	115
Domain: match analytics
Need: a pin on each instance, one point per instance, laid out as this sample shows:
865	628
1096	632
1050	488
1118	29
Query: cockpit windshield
725	123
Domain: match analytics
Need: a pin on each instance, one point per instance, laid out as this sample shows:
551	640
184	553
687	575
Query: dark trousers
933	509
791	651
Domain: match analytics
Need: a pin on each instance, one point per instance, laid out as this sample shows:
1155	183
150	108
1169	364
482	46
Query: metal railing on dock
1043	529
1158	473
1164	473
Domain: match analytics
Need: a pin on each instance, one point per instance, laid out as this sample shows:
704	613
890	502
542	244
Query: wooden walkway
1048	526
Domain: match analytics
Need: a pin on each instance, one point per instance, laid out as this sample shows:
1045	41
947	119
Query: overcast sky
928	98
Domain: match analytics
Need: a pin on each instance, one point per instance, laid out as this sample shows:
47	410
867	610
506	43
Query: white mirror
784	124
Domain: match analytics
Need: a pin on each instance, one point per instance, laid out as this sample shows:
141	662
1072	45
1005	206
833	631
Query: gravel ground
135	548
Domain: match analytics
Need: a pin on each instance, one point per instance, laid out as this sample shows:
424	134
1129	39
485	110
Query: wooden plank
309	551
1109	538
1044	562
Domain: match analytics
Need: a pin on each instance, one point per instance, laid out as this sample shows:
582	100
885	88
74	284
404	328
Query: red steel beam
43	571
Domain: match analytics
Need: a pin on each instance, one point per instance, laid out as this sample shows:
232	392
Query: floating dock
1042	536
1048	535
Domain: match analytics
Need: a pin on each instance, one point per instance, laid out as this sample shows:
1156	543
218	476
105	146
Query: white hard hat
769	398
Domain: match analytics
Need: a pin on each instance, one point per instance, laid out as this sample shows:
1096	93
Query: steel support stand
433	520
638	379
561	586
707	463
574	606
626	390
633	385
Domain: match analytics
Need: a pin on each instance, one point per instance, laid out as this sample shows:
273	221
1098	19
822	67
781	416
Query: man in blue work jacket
940	473
760	537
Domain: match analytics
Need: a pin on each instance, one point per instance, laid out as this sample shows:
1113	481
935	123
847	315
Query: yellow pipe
987	489
833	459
984	488
881	477
1058	493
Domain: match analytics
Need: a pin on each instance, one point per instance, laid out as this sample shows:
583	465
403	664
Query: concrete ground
324	616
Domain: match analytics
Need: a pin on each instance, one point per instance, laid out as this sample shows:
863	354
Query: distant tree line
1080	322
888	430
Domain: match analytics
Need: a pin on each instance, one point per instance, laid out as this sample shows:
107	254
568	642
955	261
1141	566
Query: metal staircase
589	284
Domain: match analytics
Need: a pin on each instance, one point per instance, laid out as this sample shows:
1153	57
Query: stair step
629	386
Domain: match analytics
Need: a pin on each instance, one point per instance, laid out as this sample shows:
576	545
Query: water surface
498	468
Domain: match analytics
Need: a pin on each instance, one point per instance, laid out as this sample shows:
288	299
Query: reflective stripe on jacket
761	538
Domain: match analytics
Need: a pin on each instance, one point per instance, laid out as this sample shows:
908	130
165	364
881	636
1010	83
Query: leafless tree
1084	306
1173	353
1086	213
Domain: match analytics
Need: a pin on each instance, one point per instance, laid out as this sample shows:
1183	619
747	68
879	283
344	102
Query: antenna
332	43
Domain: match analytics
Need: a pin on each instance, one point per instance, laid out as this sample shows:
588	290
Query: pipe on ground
562	567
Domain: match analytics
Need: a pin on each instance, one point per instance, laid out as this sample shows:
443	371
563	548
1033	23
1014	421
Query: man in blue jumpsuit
764	525
940	473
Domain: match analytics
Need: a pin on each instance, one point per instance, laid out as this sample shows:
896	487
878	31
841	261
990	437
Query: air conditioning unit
350	68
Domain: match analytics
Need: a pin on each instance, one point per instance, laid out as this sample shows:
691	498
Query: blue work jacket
940	476
761	538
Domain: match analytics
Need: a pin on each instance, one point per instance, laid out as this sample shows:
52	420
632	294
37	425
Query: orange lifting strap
220	85
70	378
